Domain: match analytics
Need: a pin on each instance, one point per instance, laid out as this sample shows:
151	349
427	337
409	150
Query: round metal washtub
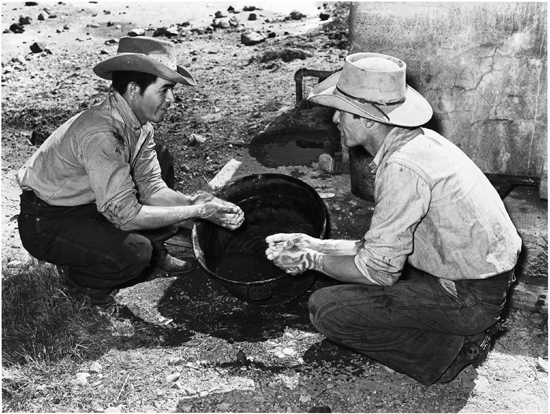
272	203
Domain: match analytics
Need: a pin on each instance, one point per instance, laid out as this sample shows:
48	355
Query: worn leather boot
168	263
93	297
474	352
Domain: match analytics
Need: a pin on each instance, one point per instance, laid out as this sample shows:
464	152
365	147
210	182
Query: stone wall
482	66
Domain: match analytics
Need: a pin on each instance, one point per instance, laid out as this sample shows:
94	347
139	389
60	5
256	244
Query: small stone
17	28
82	378
251	38
24	20
296	15
136	32
38	47
172	377
96	368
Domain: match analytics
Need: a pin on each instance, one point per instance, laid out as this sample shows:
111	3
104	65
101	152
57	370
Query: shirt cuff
364	269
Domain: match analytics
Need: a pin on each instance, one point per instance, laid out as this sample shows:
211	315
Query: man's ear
133	90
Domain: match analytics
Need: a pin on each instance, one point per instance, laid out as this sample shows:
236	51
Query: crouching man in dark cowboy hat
424	289
93	195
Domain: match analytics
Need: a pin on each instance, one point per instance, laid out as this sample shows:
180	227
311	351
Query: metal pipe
302	73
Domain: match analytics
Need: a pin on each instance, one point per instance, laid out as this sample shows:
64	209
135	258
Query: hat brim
414	111
142	63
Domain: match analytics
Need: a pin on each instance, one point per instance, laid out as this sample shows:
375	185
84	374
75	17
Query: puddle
288	148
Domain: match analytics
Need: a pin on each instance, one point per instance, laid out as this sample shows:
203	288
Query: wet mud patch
198	303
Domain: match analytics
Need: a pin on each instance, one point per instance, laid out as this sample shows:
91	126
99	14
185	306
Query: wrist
318	262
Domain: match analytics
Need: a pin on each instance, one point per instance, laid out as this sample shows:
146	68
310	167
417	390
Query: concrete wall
482	66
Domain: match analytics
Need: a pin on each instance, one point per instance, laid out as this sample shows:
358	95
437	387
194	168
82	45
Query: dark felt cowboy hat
373	86
145	54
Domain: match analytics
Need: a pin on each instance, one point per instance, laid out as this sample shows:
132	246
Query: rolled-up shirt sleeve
146	172
399	208
105	158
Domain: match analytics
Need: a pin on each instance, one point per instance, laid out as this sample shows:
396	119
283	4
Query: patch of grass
42	324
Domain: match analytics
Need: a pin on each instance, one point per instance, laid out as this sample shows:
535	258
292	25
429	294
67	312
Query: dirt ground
220	354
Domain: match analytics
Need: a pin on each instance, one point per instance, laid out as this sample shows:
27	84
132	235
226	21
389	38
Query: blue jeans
415	327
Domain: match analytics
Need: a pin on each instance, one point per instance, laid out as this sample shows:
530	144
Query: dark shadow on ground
200	304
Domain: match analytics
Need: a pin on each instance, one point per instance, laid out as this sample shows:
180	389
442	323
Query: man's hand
296	260
222	213
282	241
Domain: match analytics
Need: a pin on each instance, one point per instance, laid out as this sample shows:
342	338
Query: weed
41	323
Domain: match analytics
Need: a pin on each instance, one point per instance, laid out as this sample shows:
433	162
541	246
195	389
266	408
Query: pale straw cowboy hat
145	54
373	86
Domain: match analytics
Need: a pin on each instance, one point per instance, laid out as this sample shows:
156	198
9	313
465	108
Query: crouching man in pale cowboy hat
424	289
93	201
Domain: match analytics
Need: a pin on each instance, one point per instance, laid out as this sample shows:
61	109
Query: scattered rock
233	21
286	55
249	8
252	16
17	28
220	15
111	42
251	38
38	47
136	32
31	3
172	377
96	368
221	23
324	16
82	378
167	32
25	20
296	15
43	16
196	139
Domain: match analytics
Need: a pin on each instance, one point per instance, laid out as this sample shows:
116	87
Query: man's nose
170	96
336	117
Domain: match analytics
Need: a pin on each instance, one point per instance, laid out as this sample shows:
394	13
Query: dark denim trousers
415	327
100	257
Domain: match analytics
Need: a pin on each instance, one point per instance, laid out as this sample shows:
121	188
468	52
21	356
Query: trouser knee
135	255
318	302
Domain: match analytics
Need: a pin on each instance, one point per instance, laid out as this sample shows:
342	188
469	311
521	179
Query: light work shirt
103	156
435	209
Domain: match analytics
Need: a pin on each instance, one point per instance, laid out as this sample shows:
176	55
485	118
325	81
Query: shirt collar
396	136
128	116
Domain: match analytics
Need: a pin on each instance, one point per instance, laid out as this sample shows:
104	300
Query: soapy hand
222	213
295	260
282	241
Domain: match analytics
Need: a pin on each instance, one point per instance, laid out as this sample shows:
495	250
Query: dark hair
121	79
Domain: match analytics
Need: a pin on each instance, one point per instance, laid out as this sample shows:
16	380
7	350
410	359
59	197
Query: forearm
340	247
168	197
342	268
154	217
